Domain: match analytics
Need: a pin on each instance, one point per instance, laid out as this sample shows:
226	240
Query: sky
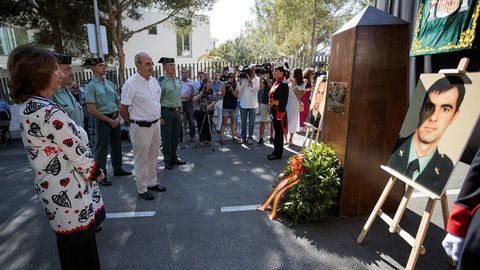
228	17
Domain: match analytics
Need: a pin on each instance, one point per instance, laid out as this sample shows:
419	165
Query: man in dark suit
417	156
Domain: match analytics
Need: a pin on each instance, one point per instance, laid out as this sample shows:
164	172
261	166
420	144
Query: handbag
301	108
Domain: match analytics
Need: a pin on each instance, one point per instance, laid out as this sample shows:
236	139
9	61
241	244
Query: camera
228	86
263	68
244	72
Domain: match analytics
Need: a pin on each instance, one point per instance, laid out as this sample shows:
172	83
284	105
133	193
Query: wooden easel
312	131
417	242
394	227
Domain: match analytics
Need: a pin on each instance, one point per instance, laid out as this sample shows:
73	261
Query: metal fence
210	67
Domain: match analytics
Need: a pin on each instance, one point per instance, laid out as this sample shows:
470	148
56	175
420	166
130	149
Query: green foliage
311	198
56	24
286	28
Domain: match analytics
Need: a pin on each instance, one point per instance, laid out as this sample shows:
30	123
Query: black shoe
179	162
273	157
168	166
260	142
121	172
105	182
146	196
158	188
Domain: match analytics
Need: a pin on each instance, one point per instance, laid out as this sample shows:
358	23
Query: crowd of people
56	113
239	94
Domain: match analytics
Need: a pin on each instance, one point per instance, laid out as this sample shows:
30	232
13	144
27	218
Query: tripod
207	119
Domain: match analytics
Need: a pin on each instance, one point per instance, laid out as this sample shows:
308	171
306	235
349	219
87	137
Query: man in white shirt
140	107
248	91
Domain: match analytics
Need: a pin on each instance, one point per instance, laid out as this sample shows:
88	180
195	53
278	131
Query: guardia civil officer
102	102
171	113
63	96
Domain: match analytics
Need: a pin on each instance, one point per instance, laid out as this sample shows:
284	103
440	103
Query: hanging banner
445	26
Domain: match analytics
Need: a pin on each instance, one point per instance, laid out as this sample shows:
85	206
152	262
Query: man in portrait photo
417	155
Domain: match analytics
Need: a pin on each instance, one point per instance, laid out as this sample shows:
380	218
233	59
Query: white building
164	40
159	41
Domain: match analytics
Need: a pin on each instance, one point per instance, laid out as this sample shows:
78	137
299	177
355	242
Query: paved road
188	229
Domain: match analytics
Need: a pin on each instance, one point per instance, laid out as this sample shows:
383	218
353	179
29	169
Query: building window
11	37
152	30
184	44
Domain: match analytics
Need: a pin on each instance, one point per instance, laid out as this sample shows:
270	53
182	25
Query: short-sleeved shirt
171	92
217	90
187	89
103	94
196	85
69	104
142	97
4	106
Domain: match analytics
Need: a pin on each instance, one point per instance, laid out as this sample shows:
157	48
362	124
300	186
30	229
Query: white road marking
239	208
449	192
131	214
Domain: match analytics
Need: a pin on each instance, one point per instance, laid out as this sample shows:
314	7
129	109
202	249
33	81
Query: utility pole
314	26
97	29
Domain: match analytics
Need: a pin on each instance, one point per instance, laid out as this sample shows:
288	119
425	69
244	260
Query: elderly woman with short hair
58	150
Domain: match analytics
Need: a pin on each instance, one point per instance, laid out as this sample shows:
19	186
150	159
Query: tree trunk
48	9
57	34
120	51
115	26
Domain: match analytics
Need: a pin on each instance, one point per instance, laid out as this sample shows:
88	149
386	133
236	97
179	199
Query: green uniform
69	104
171	103
103	94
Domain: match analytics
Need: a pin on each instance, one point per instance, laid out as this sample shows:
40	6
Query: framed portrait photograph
439	122
336	94
317	103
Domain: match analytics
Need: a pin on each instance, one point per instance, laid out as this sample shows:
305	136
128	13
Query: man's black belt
177	109
143	123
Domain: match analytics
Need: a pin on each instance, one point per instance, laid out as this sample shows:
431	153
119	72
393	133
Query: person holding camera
140	108
205	104
249	86
278	98
229	110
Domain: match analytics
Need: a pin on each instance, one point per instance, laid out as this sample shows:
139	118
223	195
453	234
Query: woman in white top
296	90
